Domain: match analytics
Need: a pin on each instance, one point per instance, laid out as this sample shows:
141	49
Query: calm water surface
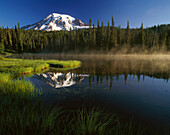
133	88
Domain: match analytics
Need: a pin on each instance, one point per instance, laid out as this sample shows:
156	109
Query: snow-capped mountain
57	22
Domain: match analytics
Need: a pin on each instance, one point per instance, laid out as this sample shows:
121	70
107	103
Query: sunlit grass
19	66
4	77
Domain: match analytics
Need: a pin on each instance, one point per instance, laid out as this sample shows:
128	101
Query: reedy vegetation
19	66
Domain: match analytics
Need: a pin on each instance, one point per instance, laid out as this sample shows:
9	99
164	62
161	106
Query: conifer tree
19	26
33	45
45	42
147	38
108	36
163	43
94	38
1	41
113	38
90	23
82	39
98	25
113	23
30	45
142	37
15	28
168	40
128	34
78	38
5	39
119	35
137	37
71	39
14	40
98	35
9	39
102	36
64	42
90	42
155	41
19	39
42	46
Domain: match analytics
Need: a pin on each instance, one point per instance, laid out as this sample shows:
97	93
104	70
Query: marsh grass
22	111
29	119
19	66
95	121
4	77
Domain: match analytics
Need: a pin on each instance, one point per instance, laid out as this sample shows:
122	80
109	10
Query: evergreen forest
98	38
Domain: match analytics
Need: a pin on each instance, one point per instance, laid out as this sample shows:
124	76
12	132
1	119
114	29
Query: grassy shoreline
23	112
26	66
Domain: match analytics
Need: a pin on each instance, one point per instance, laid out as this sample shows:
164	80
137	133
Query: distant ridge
56	22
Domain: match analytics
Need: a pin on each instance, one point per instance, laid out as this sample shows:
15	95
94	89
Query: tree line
96	38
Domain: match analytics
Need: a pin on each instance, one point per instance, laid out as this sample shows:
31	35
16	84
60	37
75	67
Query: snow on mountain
57	22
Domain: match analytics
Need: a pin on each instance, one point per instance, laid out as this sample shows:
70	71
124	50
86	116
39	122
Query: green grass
19	66
4	77
95	121
29	119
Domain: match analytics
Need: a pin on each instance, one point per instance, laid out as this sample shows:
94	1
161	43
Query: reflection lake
136	88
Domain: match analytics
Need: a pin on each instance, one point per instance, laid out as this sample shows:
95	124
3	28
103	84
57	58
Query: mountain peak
56	21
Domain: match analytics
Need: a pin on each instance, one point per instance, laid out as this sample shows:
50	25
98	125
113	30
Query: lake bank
21	67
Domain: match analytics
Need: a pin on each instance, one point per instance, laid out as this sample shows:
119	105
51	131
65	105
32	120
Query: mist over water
133	86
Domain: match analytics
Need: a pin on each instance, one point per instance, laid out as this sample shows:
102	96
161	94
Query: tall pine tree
142	37
128	35
1	41
14	40
9	39
113	38
90	23
108	36
94	38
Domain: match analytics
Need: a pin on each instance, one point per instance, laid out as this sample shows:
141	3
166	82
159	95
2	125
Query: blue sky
150	12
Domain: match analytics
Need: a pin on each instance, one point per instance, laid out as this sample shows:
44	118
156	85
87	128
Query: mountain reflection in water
60	80
137	88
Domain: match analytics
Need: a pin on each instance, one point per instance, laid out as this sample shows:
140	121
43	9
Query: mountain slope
57	22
